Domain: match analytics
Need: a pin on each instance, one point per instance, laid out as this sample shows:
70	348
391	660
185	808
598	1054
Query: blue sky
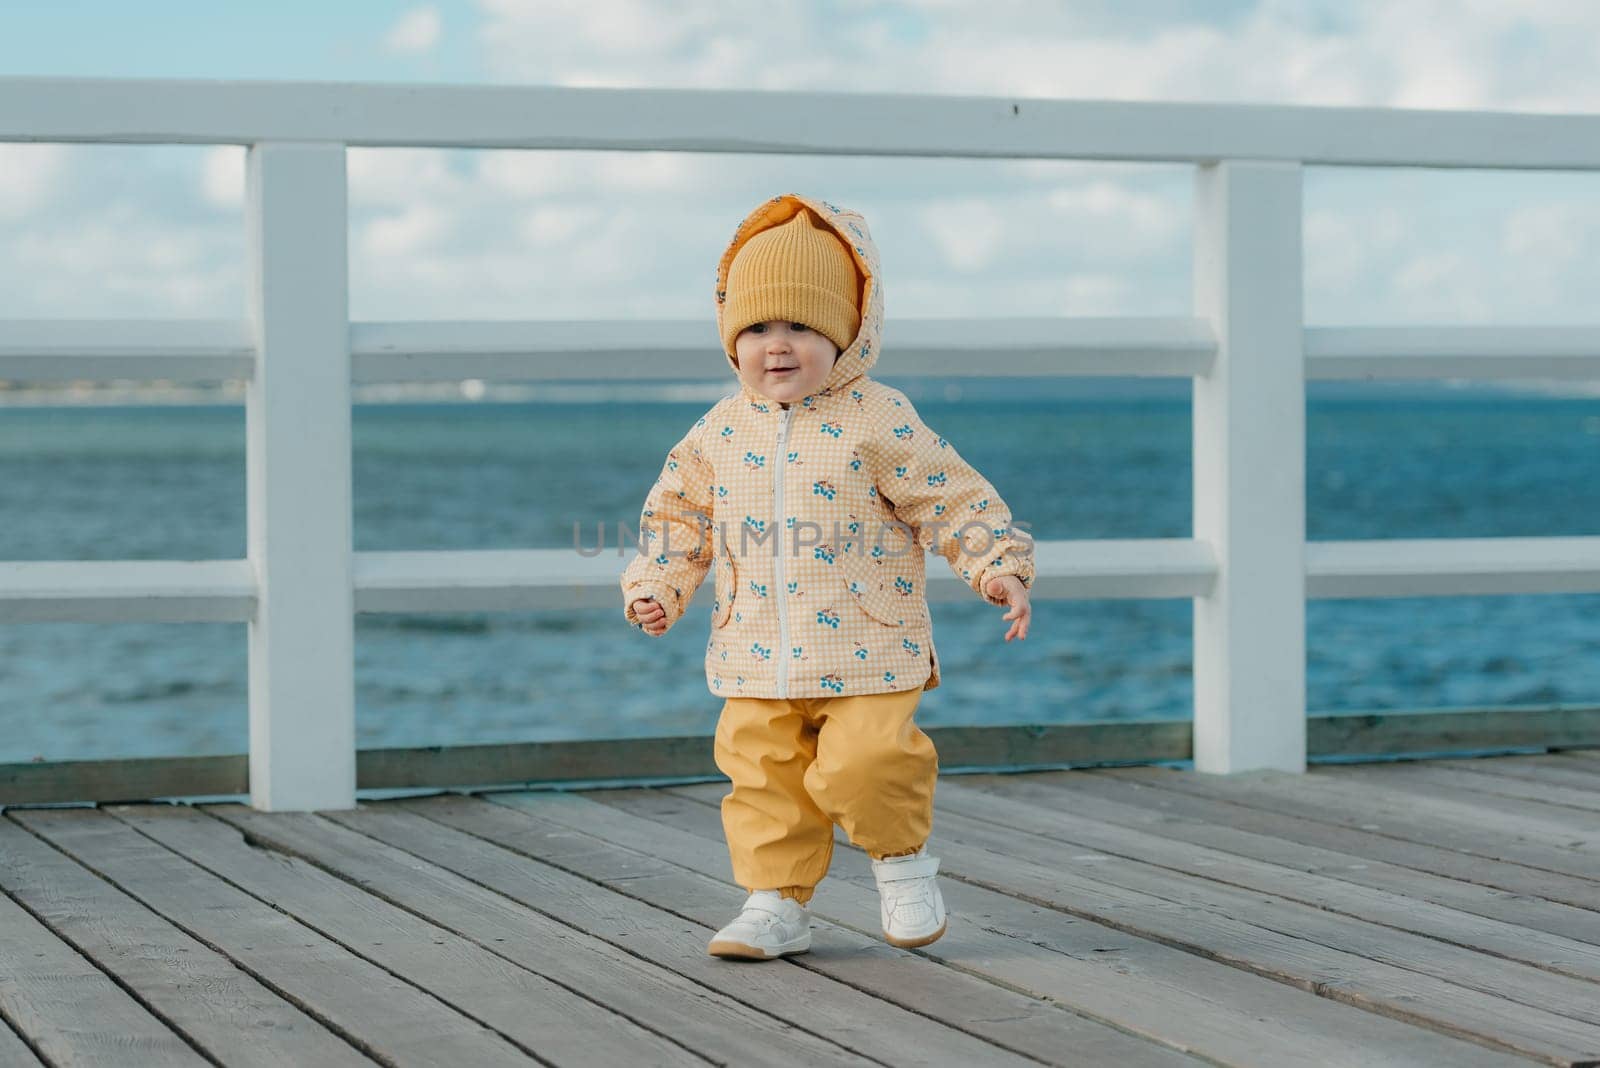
281	40
132	231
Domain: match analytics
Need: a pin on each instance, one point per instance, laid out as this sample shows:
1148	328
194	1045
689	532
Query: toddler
813	494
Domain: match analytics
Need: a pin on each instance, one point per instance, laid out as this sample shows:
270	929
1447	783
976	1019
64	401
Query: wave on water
920	388
551	622
435	624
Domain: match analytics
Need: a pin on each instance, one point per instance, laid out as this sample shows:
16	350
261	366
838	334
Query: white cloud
400	176
1424	53
1427	274
552	226
650	171
409	232
28	177
501	233
114	260
1096	294
1137	219
532	174
1341	247
1555	233
222	176
617	42
416	32
969	232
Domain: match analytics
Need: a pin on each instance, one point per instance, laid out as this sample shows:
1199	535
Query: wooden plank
543	1016
1545	768
534	762
1441	731
539	763
844	1012
1323	797
220	1009
70	1011
1408	977
1537	800
878	975
1140	986
132	779
838	1013
1330	899
973	826
1456	794
1046	1032
1306	822
620	759
635	759
516	907
13	1050
383	1015
1294	844
1030	745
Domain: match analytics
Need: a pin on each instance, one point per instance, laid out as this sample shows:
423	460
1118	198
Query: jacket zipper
780	462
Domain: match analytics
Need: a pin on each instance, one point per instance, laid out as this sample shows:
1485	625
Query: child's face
784	361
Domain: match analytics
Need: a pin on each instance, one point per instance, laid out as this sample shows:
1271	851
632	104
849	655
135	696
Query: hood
859	356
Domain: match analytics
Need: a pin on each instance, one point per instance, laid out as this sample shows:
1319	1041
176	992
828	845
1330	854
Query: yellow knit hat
796	272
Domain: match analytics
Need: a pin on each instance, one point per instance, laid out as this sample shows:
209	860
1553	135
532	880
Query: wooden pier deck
1443	912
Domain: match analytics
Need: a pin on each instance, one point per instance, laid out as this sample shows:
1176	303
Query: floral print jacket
816	519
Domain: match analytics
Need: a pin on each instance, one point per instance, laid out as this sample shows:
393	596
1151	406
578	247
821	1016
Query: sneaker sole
913	943
742	951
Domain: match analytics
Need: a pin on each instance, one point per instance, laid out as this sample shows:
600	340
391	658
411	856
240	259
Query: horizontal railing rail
177	350
505	580
1248	569
155	111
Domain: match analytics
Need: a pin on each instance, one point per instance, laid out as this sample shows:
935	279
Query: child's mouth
783	370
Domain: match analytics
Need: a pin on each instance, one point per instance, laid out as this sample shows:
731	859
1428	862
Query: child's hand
1016	594
652	617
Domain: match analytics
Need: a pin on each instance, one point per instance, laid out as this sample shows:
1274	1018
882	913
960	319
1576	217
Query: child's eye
800	326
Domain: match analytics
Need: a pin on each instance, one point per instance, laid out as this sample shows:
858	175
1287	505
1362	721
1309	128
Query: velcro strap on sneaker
903	870
762	904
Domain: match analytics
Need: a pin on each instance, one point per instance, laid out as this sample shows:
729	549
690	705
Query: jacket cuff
1021	567
664	595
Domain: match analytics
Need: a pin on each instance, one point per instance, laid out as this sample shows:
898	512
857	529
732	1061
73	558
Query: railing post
1249	469
297	420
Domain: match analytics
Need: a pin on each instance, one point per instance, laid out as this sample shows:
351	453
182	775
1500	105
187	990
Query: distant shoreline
919	390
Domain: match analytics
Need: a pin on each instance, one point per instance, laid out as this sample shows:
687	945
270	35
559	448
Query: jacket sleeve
675	548
951	508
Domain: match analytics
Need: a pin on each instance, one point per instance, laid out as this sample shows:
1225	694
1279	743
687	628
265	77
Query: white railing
1248	567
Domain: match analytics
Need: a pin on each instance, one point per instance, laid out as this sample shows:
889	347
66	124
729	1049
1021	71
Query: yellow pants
800	765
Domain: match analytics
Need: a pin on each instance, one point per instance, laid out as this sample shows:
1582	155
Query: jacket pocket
866	582
727	586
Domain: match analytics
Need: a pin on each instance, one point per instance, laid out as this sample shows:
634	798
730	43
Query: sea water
168	482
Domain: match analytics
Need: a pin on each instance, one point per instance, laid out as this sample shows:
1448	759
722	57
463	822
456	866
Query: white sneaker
910	902
770	925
